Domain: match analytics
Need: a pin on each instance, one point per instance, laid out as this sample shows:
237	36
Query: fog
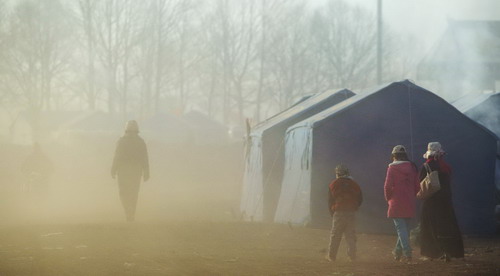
427	19
155	61
185	184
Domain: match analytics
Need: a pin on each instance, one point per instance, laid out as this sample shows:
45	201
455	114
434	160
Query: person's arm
331	199
388	185
423	174
145	163
116	158
417	183
360	199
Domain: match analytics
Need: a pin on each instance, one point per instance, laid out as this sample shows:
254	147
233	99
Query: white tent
265	154
294	203
251	199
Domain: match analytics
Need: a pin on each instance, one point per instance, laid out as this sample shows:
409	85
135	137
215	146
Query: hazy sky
427	19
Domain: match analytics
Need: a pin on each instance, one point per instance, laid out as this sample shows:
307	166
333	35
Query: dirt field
212	248
187	224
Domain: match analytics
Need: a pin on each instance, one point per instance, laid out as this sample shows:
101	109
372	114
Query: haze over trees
229	59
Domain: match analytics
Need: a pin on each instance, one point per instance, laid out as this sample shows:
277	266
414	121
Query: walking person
345	197
440	234
400	189
130	163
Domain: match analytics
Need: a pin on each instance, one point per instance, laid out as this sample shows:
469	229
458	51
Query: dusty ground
187	224
212	248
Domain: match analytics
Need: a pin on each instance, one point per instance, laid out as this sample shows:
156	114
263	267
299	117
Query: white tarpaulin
251	199
294	202
266	157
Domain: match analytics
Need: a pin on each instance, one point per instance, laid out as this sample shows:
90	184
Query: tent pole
379	41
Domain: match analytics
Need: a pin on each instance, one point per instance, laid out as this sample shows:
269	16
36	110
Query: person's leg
129	189
405	243
338	227
401	225
125	198
350	235
134	194
398	249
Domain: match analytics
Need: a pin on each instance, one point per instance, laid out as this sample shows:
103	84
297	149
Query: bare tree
156	51
86	11
232	36
7	97
37	53
231	58
187	55
290	54
345	35
117	34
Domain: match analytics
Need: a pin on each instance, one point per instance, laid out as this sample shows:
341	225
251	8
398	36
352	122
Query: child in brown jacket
345	197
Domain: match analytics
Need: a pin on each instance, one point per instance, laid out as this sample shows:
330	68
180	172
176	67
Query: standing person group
440	236
130	164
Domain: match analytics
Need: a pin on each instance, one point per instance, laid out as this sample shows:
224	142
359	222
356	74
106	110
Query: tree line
230	59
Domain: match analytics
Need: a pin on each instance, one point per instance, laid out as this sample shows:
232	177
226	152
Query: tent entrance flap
251	201
295	197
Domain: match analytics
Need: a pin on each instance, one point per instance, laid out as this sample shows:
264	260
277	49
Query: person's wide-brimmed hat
434	149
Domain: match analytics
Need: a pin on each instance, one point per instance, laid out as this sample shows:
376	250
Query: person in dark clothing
440	234
130	163
344	199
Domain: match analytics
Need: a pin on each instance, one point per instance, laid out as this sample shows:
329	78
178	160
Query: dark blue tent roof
482	108
361	131
272	135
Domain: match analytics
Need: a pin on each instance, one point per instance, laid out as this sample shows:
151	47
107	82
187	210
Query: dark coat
438	224
131	157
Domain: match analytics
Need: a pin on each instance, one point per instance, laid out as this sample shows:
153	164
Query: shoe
396	255
447	258
330	259
407	260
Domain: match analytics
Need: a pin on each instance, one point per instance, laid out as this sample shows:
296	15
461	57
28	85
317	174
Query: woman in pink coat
400	190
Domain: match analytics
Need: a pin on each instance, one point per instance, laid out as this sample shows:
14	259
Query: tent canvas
361	131
484	109
265	154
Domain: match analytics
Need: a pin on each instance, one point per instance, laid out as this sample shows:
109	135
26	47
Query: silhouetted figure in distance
130	163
